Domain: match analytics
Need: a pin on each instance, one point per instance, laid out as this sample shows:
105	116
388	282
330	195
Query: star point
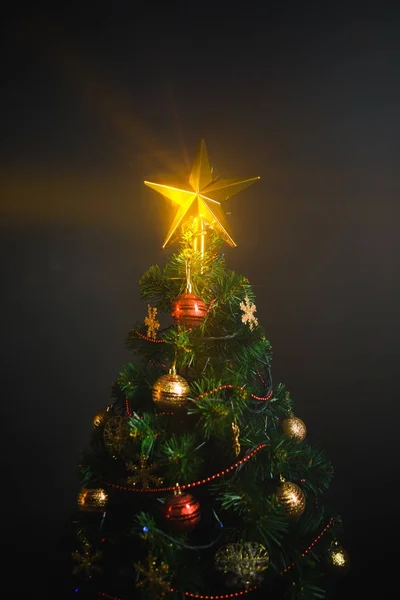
205	196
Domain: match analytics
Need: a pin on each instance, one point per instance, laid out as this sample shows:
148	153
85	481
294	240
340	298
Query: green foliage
215	415
183	459
228	367
128	379
143	429
307	586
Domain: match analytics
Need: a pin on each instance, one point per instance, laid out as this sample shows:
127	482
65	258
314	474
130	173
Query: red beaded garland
189	309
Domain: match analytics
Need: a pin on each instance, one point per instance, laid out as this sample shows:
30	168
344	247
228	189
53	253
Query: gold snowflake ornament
154	577
86	560
151	322
143	474
248	309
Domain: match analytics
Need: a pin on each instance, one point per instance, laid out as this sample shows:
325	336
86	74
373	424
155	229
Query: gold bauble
294	429
292	498
115	434
92	499
171	391
243	563
338	560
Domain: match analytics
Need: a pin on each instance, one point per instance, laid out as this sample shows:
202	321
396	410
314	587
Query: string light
197	483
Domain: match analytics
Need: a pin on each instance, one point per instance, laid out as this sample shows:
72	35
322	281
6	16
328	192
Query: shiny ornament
338	559
203	198
182	512
170	391
151	322
115	434
294	429
189	309
248	309
242	563
292	498
92	499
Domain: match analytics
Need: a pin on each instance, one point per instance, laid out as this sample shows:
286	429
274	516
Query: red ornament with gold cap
181	511
189	309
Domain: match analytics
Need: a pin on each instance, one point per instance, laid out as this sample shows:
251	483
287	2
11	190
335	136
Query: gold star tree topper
204	197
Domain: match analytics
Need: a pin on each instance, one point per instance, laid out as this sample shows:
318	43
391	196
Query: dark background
97	97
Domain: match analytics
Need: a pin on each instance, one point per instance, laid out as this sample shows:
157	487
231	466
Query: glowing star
248	310
204	197
151	322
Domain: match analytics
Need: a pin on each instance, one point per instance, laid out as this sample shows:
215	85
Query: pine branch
182	458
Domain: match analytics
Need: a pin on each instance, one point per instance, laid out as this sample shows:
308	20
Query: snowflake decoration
248	309
151	322
143	474
154	576
86	560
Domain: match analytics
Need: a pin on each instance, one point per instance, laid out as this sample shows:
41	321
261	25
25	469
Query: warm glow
338	558
204	199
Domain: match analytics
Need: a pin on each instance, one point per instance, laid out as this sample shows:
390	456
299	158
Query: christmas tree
199	481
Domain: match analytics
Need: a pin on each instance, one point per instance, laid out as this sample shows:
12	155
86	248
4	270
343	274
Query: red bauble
189	309
182	512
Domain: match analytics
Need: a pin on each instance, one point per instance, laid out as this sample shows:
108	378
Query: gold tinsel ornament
292	499
143	474
242	563
151	322
236	442
248	309
338	559
92	499
170	391
294	429
154	577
